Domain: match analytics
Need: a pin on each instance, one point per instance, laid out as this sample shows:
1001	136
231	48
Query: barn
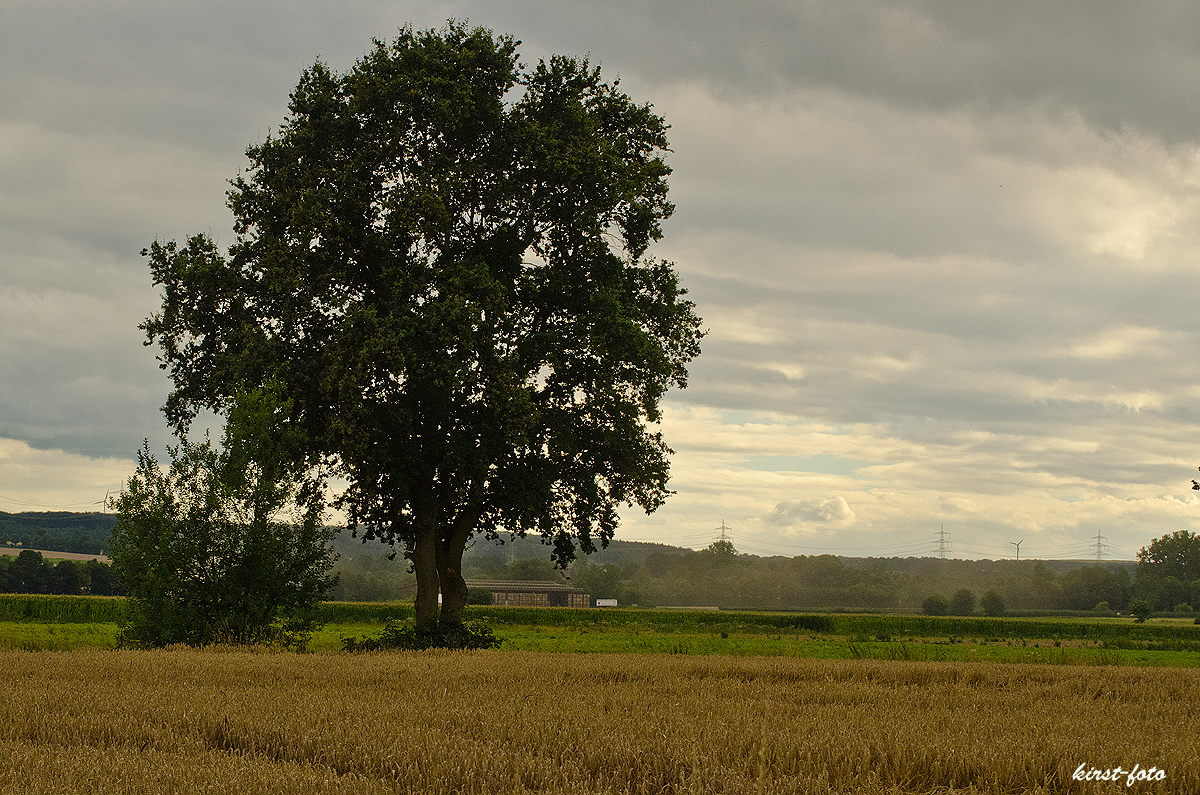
532	593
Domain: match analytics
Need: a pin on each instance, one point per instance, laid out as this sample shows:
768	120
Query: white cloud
1121	342
823	512
1121	209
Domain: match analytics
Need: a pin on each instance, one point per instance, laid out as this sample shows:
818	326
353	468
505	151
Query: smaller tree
936	605
30	574
1141	610
601	582
532	569
721	548
1175	555
962	603
992	604
100	579
68	578
224	546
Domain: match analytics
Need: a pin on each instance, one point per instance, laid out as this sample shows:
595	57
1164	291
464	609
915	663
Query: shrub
992	604
479	596
404	636
936	605
1102	607
225	545
962	603
1185	608
1141	610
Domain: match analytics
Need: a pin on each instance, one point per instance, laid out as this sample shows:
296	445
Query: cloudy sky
948	253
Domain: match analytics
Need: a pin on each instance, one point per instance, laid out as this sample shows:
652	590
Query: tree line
61	531
719	576
652	575
1166	577
31	572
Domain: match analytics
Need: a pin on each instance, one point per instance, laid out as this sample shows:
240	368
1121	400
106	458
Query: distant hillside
88	533
60	531
619	552
366	575
639	572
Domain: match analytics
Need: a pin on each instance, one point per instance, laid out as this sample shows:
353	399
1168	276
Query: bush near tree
224	545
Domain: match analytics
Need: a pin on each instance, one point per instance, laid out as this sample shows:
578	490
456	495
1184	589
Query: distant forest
648	574
30	572
59	531
27	571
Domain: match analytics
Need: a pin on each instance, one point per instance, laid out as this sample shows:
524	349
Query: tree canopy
1175	555
441	261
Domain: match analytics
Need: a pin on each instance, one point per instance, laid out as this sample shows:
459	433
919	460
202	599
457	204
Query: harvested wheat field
224	721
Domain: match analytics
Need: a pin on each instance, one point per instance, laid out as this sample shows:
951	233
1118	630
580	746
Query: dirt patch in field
50	553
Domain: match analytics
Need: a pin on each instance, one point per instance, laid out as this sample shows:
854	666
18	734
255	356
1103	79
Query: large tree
441	257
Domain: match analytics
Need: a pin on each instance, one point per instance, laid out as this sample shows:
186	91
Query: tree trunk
424	559
454	587
450	552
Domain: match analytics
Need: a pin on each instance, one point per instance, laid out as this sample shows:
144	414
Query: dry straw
500	722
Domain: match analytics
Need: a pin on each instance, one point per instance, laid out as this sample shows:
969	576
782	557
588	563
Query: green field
65	623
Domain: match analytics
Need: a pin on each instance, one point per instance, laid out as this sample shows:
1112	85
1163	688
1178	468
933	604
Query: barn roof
521	586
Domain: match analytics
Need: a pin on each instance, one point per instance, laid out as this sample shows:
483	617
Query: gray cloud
1119	65
958	237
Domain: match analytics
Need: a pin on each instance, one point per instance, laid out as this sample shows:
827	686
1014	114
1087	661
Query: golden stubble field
228	721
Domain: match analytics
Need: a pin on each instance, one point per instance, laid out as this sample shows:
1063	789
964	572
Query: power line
1132	552
899	549
694	537
942	543
65	509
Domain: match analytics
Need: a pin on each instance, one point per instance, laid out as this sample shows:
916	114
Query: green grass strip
62	609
